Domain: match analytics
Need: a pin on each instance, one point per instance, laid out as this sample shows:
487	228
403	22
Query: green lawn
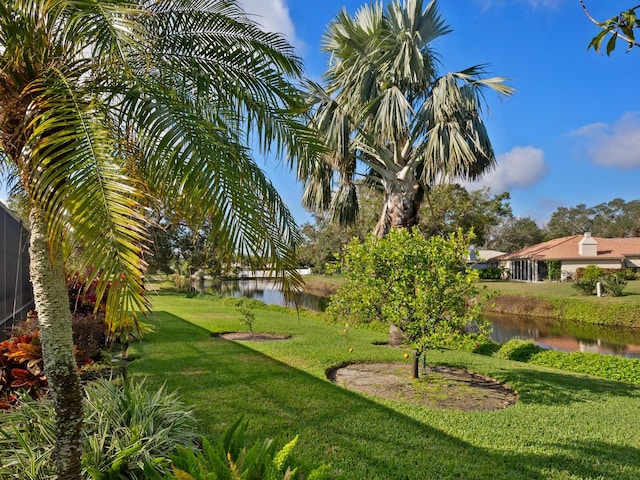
565	426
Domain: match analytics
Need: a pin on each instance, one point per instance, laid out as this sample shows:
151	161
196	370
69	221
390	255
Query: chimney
588	247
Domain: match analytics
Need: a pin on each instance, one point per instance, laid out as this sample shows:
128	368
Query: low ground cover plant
128	429
233	457
604	366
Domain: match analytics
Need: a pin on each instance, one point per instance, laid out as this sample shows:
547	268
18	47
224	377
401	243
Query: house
480	258
16	294
532	263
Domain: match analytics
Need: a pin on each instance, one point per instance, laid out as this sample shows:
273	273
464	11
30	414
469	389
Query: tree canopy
386	114
422	286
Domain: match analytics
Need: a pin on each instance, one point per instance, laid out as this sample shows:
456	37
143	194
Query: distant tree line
449	207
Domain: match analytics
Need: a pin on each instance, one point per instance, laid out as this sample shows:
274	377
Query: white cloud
521	167
273	16
616	146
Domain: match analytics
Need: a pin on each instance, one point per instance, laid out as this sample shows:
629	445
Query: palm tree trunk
401	203
54	319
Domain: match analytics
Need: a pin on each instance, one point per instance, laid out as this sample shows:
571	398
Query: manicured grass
565	426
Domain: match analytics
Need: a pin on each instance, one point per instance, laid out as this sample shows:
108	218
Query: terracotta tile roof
566	248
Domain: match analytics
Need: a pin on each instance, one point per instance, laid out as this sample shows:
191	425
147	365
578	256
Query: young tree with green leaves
110	107
384	106
422	286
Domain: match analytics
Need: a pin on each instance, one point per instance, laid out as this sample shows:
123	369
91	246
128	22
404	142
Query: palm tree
110	107
385	107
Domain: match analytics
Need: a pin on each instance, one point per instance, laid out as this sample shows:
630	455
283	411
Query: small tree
421	286
248	317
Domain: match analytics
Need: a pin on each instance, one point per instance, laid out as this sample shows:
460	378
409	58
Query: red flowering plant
21	368
88	318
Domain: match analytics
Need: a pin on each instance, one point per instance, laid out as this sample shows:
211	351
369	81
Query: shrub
420	285
21	369
586	286
590	272
27	440
518	350
248	317
128	427
491	273
614	284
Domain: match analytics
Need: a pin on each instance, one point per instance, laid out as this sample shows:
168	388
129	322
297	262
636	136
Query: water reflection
566	335
546	332
266	291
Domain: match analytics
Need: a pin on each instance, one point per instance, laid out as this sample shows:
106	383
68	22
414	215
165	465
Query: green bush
586	286
27	440
518	350
128	427
590	272
491	273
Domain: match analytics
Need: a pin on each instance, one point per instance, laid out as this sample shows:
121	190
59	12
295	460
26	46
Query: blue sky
571	132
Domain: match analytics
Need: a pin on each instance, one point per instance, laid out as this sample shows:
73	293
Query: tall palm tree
384	107
109	107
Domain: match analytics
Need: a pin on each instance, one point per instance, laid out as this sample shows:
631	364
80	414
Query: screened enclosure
16	295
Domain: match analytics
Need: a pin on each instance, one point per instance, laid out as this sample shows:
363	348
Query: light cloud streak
615	146
521	167
273	16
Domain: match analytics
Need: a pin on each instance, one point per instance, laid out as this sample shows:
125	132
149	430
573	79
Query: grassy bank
562	301
565	426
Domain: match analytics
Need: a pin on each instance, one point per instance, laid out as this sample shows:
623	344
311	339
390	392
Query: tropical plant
232	458
21	368
421	286
111	107
383	105
614	284
128	429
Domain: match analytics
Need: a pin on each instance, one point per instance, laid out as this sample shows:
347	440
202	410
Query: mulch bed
255	336
438	386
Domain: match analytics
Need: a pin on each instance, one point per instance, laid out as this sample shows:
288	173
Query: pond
546	332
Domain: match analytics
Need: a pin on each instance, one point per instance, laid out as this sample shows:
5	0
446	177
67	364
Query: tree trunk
54	319
415	371
401	203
